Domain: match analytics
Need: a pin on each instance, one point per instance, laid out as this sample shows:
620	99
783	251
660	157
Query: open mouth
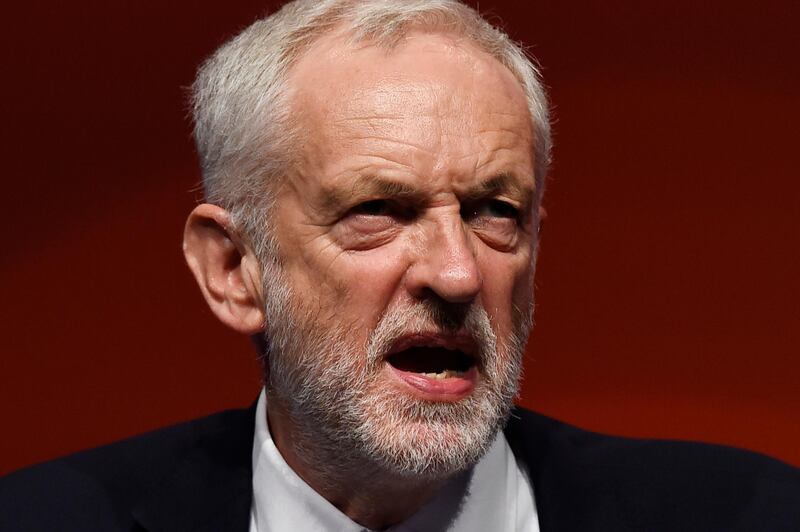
433	362
437	368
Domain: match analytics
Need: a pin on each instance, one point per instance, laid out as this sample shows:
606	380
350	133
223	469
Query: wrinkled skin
414	183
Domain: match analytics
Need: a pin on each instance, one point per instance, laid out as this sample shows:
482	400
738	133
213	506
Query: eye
493	208
376	207
369	224
501	209
384	207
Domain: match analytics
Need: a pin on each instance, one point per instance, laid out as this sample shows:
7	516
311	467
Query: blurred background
668	285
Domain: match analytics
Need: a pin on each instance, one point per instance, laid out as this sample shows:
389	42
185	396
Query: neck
365	492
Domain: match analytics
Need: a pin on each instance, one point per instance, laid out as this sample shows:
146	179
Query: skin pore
407	228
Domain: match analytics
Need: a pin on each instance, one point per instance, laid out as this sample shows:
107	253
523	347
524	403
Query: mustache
432	316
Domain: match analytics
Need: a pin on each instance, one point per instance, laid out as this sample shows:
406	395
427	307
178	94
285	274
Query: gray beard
346	426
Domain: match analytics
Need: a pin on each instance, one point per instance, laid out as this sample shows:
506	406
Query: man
373	173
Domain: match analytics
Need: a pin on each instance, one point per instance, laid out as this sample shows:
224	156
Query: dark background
668	283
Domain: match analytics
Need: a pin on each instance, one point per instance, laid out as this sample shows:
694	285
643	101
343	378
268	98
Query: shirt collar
482	498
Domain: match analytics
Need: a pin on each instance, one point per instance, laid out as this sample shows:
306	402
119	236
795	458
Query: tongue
430	360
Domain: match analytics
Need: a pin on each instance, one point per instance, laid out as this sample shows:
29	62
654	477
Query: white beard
345	416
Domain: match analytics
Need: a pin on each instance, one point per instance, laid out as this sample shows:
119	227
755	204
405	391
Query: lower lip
449	389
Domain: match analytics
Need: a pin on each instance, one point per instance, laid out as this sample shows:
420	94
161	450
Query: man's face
407	238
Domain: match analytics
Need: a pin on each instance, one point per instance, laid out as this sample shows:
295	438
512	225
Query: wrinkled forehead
432	77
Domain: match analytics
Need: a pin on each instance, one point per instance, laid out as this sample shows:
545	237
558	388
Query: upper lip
461	341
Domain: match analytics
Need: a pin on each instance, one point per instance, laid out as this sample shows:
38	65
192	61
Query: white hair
243	128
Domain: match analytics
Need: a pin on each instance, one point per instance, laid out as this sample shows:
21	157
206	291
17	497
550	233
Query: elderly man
373	173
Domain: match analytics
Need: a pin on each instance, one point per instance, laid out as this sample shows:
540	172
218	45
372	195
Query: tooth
444	374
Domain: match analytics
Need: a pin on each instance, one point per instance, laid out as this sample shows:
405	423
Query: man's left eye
493	208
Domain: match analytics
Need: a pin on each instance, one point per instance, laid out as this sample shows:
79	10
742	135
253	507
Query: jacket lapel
540	445
210	487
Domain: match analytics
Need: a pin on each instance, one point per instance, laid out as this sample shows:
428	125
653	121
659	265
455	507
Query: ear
225	268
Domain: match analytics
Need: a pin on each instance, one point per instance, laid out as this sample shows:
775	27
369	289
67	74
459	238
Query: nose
446	265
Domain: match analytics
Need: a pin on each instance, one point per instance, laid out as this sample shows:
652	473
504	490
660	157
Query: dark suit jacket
197	476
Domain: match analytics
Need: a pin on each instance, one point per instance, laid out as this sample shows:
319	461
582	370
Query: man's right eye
376	207
369	224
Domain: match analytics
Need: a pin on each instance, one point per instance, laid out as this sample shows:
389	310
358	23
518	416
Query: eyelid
364	205
471	209
394	207
516	203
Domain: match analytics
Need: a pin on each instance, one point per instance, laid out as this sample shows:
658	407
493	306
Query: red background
668	283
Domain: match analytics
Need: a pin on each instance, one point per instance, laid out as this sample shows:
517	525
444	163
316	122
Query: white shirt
495	495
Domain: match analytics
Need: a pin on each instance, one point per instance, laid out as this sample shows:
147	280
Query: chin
413	437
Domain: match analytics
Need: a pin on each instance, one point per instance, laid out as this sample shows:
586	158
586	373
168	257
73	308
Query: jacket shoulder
598	482
96	489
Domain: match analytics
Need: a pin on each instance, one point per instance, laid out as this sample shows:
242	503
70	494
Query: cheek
507	285
358	285
373	277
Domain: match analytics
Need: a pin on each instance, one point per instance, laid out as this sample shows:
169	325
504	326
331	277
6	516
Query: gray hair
243	130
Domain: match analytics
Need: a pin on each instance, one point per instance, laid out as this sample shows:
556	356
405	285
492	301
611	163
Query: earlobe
225	268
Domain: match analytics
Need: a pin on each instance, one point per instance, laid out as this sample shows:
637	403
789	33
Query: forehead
431	94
